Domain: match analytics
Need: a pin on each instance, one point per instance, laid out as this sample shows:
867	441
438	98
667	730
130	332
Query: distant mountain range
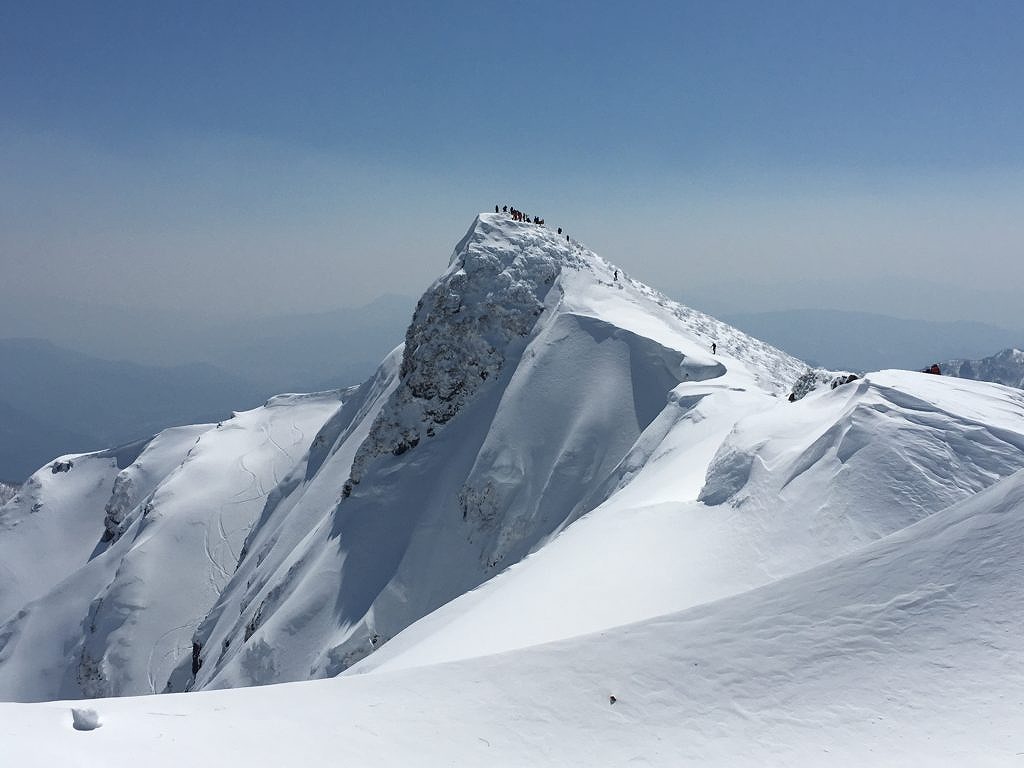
1006	367
55	401
868	342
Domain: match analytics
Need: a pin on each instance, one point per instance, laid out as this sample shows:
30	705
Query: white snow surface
786	489
552	529
906	652
118	619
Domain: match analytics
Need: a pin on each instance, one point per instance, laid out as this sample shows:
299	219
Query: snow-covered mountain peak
502	277
465	326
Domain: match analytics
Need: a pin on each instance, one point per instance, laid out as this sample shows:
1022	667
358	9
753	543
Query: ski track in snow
175	651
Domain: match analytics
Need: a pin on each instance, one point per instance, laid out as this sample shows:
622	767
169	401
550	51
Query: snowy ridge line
784	486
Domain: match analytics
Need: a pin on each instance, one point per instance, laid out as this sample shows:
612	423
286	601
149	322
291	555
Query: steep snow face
297	509
162	454
781	488
1006	367
531	369
905	653
163	547
51	526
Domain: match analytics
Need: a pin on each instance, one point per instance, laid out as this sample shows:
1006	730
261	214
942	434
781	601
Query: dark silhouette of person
495	209
559	230
714	348
504	209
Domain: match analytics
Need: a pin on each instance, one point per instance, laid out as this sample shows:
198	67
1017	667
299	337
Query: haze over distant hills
54	400
64	401
868	342
1004	367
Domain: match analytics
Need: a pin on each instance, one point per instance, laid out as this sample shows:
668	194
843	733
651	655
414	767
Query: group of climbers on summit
517	215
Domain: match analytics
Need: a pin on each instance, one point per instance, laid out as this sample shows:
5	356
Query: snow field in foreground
903	653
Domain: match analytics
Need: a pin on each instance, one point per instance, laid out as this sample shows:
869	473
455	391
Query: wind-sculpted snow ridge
904	653
730	494
141	553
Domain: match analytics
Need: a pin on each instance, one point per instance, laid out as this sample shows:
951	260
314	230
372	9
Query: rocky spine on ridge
463	330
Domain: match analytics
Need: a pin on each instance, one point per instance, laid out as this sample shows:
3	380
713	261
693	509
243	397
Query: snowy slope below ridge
55	523
296	510
179	513
528	373
1005	367
849	663
785	489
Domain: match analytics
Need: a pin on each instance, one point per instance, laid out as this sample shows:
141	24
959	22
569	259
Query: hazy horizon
211	162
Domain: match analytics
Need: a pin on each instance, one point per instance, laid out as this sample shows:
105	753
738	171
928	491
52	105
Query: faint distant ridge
55	401
1005	367
863	341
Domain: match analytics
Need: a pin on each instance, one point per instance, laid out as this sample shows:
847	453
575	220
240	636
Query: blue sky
170	149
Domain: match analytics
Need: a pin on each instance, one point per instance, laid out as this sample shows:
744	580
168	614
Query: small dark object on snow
714	348
495	209
616	275
840	380
934	368
612	699
61	466
559	230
